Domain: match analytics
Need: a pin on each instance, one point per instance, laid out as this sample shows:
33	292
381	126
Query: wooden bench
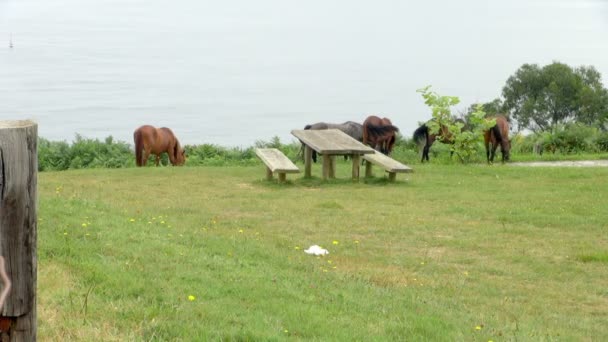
276	162
389	164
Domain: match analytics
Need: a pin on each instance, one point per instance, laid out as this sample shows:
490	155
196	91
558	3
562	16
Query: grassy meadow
450	252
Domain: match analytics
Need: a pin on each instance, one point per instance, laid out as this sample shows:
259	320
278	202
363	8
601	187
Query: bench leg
268	174
282	177
356	162
368	169
392	176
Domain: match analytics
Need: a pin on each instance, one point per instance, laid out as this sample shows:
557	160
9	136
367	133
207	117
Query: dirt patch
566	163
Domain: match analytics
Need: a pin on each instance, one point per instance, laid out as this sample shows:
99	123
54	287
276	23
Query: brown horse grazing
422	133
149	139
379	134
498	135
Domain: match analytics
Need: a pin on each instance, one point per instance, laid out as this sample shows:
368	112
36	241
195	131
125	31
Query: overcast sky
294	61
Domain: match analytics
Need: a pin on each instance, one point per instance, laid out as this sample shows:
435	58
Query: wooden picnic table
331	143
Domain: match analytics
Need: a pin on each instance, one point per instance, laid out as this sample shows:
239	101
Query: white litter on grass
316	250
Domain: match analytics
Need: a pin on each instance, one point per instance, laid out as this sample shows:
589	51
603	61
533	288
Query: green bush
601	141
83	153
567	139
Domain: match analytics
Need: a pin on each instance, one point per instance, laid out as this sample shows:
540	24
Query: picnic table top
331	141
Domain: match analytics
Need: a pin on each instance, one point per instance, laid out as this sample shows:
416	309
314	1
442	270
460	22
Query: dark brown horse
152	140
422	133
379	134
498	135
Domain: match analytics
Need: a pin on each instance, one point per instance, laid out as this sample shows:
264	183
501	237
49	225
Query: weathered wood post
18	222
307	161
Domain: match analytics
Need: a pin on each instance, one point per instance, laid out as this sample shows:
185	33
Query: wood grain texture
331	141
18	225
276	161
388	163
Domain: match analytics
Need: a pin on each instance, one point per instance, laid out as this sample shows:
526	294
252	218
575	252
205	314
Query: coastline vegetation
568	142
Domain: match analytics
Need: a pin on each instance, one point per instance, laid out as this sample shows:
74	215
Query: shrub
83	153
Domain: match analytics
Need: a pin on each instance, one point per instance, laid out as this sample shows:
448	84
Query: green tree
464	142
542	98
491	108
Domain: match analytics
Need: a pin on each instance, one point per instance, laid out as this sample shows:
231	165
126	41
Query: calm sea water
234	72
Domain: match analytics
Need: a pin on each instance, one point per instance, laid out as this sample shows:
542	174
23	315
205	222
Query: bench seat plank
276	162
388	163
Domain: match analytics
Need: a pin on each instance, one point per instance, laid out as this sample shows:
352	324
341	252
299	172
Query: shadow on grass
317	182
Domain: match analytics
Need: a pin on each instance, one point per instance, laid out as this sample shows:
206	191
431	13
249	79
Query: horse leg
494	147
425	153
488	152
145	156
157	160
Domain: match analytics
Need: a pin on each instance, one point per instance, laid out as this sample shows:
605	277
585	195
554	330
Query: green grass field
450	252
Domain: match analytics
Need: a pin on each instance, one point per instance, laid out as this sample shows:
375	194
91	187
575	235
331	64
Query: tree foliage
541	98
465	142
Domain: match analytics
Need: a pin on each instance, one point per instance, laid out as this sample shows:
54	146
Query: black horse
422	134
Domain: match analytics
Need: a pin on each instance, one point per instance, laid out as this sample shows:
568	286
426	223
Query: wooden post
368	168
326	166
307	161
332	166
18	224
356	161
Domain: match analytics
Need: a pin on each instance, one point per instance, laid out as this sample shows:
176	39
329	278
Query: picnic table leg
368	168
356	161
392	176
307	161
326	166
332	167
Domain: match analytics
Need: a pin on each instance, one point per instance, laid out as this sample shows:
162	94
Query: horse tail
497	134
137	137
379	130
421	133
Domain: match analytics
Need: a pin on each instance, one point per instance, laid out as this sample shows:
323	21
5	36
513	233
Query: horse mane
421	133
